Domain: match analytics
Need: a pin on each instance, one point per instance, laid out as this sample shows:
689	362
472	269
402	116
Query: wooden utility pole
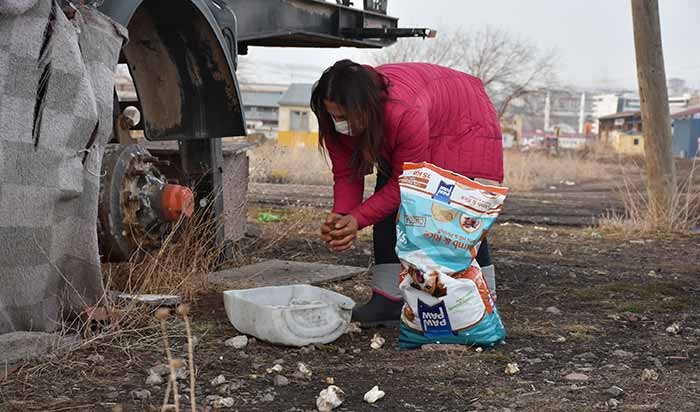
656	120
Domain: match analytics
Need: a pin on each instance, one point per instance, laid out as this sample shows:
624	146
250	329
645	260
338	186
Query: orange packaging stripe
456	177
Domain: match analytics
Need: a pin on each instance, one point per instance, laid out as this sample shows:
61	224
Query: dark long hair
362	91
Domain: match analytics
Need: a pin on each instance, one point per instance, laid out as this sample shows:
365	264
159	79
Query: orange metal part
177	200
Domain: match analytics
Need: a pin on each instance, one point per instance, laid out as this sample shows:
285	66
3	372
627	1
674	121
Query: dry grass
271	163
536	169
524	171
682	215
179	267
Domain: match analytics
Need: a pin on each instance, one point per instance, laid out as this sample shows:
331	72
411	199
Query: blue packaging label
444	192
434	319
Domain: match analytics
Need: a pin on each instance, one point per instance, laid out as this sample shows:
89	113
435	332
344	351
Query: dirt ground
574	299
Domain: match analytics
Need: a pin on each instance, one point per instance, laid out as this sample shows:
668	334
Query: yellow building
631	143
298	126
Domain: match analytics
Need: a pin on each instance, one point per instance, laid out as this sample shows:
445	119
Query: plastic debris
268	217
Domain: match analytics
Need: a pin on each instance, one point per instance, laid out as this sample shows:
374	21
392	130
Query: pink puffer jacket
433	114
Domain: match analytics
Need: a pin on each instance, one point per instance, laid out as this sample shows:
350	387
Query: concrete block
282	272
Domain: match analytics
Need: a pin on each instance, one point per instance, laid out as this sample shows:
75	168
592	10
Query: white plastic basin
295	315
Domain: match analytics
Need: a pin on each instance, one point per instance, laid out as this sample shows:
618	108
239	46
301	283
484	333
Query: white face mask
342	126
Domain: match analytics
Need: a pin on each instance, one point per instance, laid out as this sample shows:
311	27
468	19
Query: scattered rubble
623	353
553	310
304	370
280	380
275	369
615	391
96	358
160	370
237	342
377	341
576	377
353	327
649	375
613	403
374	395
330	398
153	379
511	369
674	328
219	380
142	394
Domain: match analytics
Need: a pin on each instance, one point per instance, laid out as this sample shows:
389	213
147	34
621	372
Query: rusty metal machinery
137	205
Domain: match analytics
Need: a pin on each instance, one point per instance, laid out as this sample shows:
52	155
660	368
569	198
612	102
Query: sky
593	38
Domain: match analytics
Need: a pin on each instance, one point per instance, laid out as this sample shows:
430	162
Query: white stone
330	398
153	379
237	342
377	341
223	403
275	369
374	395
304	370
219	380
649	375
674	328
511	369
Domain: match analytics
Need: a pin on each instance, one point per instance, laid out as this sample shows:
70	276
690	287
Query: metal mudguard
183	66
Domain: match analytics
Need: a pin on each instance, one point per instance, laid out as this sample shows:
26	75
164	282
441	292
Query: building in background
568	111
261	107
686	133
298	127
612	103
623	131
679	103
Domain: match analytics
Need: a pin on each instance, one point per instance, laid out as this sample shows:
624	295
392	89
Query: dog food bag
442	219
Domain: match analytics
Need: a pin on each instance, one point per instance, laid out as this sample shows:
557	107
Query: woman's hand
344	233
328	225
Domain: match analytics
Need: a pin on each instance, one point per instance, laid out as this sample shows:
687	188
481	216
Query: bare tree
510	67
